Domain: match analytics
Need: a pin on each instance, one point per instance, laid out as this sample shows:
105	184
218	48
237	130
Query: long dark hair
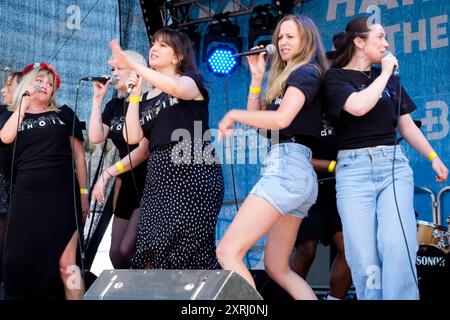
181	44
343	41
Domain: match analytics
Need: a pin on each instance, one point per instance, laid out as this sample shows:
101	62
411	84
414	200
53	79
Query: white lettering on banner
74	20
350	6
332	8
438	34
437	31
420	35
390	4
431	120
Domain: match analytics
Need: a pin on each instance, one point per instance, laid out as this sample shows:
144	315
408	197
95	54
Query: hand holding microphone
255	58
100	84
32	90
389	63
134	84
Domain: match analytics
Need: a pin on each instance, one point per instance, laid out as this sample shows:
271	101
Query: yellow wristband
331	166
255	90
120	167
83	191
432	155
135	99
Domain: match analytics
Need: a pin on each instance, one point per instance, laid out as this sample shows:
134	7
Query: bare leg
279	247
255	217
340	276
69	272
304	256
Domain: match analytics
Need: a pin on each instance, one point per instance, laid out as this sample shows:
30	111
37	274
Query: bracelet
432	155
331	166
253	98
255	89
83	191
135	99
120	167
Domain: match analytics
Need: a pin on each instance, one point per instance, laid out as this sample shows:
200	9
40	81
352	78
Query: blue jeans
374	243
288	181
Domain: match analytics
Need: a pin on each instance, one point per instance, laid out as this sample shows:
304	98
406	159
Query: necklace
369	75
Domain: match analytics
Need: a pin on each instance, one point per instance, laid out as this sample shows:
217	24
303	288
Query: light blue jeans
375	248
288	181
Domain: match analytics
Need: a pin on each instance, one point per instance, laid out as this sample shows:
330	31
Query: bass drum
433	271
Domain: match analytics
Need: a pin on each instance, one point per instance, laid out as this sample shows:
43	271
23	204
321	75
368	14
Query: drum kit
433	260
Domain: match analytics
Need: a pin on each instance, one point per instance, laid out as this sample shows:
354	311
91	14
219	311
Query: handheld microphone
269	49
102	79
36	87
396	69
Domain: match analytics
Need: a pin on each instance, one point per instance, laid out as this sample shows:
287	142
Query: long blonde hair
27	81
311	52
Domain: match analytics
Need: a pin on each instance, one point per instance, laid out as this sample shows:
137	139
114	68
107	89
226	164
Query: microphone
396	71
102	79
36	87
269	49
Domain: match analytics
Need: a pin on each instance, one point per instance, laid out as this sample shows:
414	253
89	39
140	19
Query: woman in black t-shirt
183	191
288	187
368	104
42	239
5	162
127	189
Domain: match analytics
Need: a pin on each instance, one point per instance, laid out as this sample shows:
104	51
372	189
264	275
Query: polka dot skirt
179	210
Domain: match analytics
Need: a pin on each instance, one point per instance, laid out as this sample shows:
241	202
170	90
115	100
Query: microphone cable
393	183
74	189
125	127
11	175
232	164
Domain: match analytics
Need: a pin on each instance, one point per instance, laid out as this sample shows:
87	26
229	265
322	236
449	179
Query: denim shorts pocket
297	179
343	163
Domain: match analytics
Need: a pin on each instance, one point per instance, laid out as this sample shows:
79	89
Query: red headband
45	66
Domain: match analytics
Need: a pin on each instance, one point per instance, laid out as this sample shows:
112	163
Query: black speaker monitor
171	285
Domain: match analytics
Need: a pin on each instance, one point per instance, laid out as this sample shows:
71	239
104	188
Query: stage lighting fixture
221	60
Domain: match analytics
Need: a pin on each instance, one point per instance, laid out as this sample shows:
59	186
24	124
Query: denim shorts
288	180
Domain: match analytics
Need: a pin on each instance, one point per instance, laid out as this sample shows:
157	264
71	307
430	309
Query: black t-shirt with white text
5	150
306	124
376	127
164	118
112	116
43	139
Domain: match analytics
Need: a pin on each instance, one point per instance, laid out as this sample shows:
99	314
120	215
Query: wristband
331	166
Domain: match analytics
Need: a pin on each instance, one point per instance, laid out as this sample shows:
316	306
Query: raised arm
181	87
98	131
359	103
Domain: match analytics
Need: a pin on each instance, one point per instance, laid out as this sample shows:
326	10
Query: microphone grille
271	49
37	87
112	78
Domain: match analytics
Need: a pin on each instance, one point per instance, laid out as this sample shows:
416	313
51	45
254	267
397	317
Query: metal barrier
439	208
434	202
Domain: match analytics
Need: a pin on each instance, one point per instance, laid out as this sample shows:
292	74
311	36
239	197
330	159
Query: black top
376	127
306	124
43	139
113	117
160	116
5	150
325	148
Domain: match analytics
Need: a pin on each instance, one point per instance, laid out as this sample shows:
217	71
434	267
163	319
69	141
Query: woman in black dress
184	190
5	162
127	195
46	210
